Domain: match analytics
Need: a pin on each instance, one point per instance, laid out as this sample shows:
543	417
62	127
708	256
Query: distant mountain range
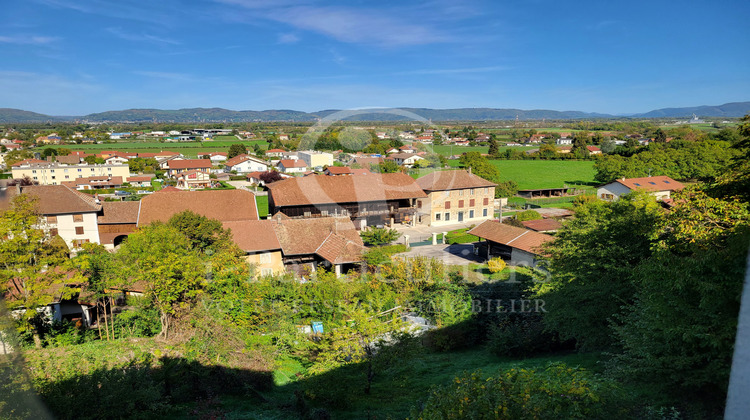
10	115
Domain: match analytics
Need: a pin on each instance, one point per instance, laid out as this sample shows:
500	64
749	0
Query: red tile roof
525	240
339	170
542	225
254	235
29	162
55	199
139	178
275	151
452	180
188	163
652	183
292	163
322	189
239	159
119	212
222	205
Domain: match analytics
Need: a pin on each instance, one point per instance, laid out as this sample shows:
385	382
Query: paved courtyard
456	254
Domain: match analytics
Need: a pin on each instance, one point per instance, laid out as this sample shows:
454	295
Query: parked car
122	193
143	192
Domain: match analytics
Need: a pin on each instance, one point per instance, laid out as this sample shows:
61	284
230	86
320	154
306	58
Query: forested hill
732	109
9	115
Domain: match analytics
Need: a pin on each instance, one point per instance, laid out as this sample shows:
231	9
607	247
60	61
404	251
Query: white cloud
288	39
387	28
143	37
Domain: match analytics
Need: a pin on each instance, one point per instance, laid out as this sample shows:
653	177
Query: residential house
139	180
292	166
367	161
55	173
515	245
257	238
95	182
455	197
337	170
175	167
594	150
65	212
659	186
315	159
405	159
375	199
193	179
564	141
69	159
245	163
214	157
116	159
271	153
407	148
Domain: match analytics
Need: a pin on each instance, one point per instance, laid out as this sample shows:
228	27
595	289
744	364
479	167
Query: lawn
535	174
262	201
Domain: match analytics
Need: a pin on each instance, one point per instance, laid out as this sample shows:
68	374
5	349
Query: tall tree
236	150
34	266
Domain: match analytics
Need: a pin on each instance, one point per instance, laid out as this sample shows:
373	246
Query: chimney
469	170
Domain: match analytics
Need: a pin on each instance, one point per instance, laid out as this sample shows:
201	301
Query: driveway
422	233
456	254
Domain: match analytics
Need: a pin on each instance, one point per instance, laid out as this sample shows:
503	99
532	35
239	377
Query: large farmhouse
376	199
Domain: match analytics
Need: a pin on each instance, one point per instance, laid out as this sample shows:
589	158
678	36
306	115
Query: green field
190	149
534	174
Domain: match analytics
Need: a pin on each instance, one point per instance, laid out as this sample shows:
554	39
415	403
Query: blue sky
73	57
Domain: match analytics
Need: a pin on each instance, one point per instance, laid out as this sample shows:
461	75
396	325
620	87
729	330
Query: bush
557	391
379	236
496	265
459	236
382	254
528	215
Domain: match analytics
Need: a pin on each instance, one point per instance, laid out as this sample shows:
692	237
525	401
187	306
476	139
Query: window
447	205
419	204
265	258
485	201
447	216
472	203
484	212
78	218
35	178
79	169
33	171
53	232
471	191
52	170
53	177
79	230
266	272
437	217
66	177
66	171
460	204
460	193
51	219
486	190
471	214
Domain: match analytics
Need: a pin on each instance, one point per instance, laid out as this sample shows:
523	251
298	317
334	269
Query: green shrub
459	236
528	215
556	392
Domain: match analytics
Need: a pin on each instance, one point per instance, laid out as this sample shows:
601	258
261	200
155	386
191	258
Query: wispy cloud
288	39
387	28
469	70
142	37
181	77
28	39
161	12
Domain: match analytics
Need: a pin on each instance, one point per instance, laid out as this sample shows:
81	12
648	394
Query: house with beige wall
455	197
55	173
